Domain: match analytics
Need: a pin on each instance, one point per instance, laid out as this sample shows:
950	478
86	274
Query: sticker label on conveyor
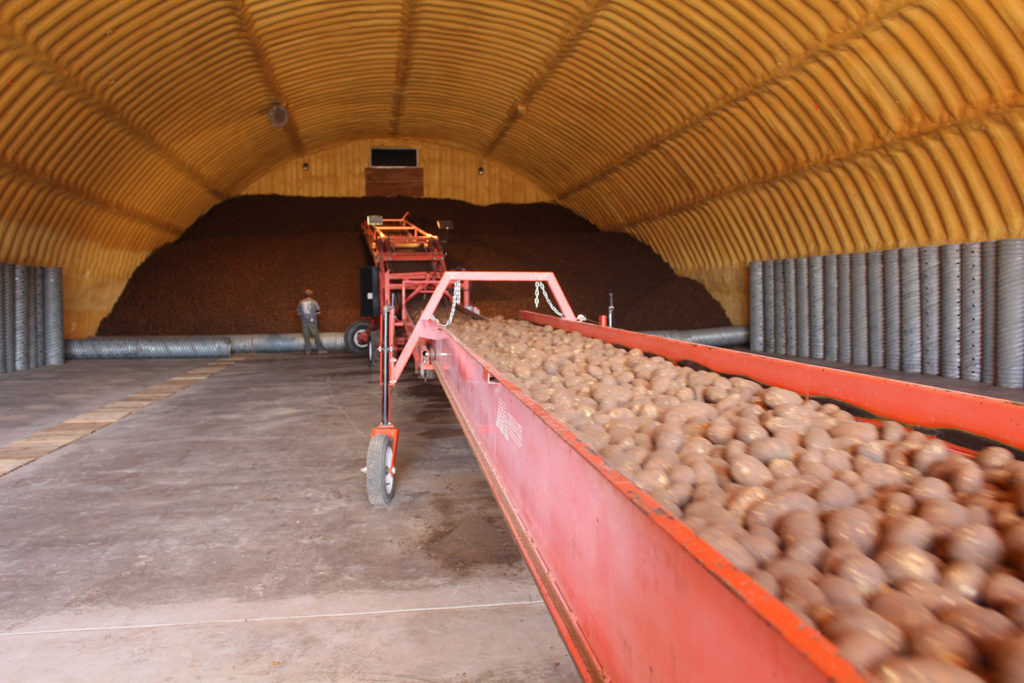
508	426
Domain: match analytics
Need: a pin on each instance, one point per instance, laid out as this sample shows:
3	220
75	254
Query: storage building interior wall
720	132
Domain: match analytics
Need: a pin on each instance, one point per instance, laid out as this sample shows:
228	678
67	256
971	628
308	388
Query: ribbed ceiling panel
718	131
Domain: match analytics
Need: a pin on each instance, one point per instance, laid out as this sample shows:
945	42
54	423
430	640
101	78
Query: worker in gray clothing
308	309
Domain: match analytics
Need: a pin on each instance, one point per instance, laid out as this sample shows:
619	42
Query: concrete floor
218	529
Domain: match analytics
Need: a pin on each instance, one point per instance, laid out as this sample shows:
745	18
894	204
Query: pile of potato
907	555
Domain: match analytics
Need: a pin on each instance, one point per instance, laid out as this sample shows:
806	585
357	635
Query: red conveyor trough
636	595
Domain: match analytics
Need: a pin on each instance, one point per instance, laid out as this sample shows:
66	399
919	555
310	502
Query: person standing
308	310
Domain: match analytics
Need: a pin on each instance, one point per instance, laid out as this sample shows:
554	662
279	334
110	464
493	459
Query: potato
926	488
853	525
863	649
985	627
863	620
922	670
1003	590
966	579
908	530
798	525
994	457
902	610
944	515
774	397
840	592
767	448
749	471
976	543
945	643
1007	657
863	572
835	495
906	562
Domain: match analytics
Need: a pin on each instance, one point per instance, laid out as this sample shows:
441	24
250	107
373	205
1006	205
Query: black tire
356	343
380	478
373	353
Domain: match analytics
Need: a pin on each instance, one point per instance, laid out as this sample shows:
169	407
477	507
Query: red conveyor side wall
636	595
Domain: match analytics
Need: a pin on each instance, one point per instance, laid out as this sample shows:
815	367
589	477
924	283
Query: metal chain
456	298
538	289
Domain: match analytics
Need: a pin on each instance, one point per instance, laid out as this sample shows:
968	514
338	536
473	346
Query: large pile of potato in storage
904	553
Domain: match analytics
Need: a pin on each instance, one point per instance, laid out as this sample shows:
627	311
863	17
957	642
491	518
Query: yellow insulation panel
717	131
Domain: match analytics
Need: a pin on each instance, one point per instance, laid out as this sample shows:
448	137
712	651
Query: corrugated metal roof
717	131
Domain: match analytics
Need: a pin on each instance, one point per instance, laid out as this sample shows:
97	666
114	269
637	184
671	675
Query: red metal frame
410	263
635	594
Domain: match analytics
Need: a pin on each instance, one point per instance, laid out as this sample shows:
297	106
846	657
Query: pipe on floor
1010	314
930	325
53	313
876	309
757	306
147	347
281	343
202	346
891	286
710	336
950	277
970	311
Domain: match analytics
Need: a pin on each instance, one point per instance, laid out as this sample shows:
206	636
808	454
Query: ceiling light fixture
277	115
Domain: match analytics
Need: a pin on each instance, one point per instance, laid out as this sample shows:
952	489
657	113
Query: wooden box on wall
391	182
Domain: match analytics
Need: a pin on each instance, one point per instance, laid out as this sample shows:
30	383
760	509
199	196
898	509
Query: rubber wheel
380	477
354	341
372	352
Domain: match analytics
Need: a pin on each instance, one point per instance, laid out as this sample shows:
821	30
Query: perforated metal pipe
789	270
988	312
147	347
3	318
21	318
950	305
769	306
970	311
711	336
281	343
831	309
816	305
780	307
910	307
876	309
38	318
891	314
756	306
8	341
53	307
844	312
859	309
928	260
803	329
1010	312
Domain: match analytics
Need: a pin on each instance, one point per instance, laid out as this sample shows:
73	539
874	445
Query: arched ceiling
718	131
